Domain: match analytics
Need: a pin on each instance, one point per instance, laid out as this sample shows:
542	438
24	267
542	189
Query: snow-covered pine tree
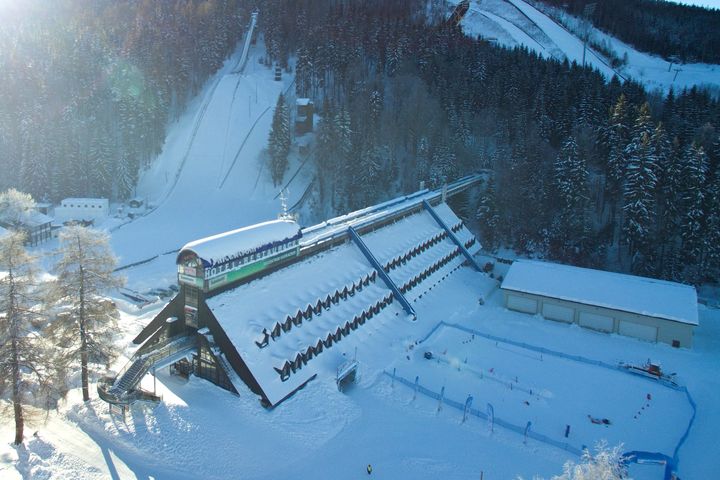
325	154
124	176
369	180
669	198
303	73
617	139
342	165
279	140
22	358
84	273
487	214
711	263
639	200
694	172
443	165
571	182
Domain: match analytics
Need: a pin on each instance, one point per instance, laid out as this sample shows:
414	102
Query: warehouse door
596	322
643	332
558	312
521	304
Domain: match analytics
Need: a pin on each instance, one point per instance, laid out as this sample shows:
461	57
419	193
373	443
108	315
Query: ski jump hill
513	23
267	305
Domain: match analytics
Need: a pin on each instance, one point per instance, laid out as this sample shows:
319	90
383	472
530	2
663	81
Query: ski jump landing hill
344	281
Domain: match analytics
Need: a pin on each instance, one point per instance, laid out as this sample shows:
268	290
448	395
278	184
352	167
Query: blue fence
671	464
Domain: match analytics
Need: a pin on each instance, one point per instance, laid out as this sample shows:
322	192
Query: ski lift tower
588	12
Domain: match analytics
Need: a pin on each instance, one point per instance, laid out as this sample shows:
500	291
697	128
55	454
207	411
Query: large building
82	210
266	306
645	308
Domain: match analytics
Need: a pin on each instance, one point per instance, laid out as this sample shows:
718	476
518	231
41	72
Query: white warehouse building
85	209
645	308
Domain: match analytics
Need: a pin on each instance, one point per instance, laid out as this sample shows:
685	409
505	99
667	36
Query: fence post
527	431
468	403
392	382
491	417
417	384
442	395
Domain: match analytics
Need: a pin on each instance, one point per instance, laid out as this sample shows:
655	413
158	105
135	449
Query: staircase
122	389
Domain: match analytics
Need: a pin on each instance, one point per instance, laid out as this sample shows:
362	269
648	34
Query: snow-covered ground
515	22
200	429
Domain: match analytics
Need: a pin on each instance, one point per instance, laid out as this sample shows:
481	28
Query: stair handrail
163	350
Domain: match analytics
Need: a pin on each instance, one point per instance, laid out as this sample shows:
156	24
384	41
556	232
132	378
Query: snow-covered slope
515	22
210	177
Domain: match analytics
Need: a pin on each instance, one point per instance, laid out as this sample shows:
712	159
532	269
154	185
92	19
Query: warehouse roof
617	291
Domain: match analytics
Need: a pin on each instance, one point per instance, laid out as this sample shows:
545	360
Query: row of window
72	205
253	257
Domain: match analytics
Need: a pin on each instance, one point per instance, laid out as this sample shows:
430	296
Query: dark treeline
87	87
585	171
690	33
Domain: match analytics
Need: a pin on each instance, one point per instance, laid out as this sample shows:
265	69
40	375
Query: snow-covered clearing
515	22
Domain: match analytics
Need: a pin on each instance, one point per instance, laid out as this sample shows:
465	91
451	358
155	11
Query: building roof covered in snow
644	296
303	310
236	243
36	219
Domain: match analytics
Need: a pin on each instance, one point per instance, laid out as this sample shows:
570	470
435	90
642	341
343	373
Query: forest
584	171
88	87
680	32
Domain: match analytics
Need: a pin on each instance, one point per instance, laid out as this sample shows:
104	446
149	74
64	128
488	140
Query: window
191	296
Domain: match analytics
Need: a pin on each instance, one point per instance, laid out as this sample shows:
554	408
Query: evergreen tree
84	273
668	205
303	73
325	153
369	180
694	172
571	181
487	215
279	141
639	193
443	165
711	236
22	358
639	200
617	138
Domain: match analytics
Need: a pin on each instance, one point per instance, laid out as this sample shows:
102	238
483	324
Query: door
602	323
521	304
643	332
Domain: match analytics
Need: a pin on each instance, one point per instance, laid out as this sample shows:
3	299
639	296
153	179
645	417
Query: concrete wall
602	319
